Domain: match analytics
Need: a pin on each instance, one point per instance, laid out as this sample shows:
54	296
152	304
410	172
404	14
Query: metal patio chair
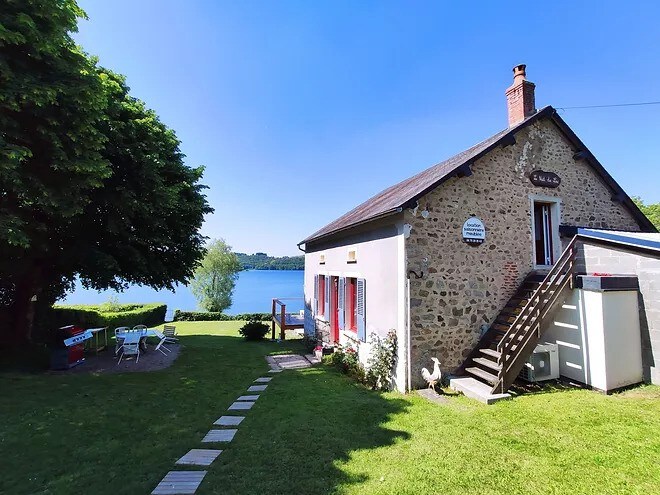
132	349
119	341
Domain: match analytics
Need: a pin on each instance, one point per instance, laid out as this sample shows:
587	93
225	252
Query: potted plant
318	351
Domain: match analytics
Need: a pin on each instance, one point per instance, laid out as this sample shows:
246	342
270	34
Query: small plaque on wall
474	232
544	179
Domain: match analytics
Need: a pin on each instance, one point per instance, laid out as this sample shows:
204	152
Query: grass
314	432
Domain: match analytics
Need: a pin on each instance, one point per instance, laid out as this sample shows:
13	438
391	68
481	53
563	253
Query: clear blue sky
300	110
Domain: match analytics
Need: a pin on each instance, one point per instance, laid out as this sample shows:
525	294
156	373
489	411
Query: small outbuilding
468	259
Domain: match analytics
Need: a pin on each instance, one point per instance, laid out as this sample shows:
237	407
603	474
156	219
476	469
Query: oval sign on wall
474	232
544	179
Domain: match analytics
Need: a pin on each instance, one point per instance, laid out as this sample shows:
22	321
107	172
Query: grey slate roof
405	193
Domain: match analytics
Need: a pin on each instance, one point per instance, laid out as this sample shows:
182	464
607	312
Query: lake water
254	292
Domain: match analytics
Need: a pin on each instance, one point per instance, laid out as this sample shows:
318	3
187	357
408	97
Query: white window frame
555	217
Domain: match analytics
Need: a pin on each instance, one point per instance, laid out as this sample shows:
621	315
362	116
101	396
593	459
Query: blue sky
300	110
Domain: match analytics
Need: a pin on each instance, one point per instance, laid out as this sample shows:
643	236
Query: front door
334	308
543	249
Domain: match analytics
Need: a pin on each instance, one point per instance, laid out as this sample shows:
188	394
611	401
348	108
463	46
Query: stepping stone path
219	436
199	457
179	483
288	361
240	406
248	397
187	482
229	420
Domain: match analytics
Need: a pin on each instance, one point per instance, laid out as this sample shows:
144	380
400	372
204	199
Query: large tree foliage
651	211
91	182
215	277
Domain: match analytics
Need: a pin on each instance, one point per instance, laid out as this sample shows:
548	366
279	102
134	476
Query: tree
92	184
215	278
651	211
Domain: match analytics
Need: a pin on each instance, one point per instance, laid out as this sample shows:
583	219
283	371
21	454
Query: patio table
136	336
95	332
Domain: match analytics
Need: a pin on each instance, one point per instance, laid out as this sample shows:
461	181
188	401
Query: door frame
333	308
555	216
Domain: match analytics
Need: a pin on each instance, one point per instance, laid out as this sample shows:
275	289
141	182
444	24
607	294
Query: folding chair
170	333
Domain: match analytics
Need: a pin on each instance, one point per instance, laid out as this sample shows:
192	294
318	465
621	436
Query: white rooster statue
432	378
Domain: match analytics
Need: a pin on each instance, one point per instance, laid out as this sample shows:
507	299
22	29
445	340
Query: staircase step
476	390
504	319
490	352
488	363
484	375
501	328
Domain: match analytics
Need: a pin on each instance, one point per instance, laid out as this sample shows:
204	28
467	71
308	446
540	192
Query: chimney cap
519	70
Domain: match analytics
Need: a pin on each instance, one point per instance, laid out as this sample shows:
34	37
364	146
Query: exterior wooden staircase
506	345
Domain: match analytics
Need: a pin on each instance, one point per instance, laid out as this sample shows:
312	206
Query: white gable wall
380	262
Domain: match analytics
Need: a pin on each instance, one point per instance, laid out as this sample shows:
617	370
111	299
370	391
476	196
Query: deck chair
170	334
130	350
161	344
118	340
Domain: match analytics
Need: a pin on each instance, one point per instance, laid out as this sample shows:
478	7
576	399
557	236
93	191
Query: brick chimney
520	97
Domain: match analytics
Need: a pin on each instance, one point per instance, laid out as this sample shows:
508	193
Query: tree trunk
24	309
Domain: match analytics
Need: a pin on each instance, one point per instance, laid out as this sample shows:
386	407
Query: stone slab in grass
179	483
229	420
257	388
275	370
241	406
263	379
226	435
248	397
199	457
291	361
433	396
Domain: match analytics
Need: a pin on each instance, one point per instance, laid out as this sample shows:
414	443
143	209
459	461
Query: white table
135	336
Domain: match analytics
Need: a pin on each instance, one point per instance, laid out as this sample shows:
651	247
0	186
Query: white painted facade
379	259
598	336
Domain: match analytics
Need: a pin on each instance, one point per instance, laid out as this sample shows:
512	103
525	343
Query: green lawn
314	432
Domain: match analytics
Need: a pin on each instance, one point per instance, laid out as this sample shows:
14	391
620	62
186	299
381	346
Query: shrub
216	316
345	359
380	364
254	330
128	315
310	342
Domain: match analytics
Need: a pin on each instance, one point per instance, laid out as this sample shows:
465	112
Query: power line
610	106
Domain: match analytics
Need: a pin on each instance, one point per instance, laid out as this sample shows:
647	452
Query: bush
254	330
381	362
345	359
88	316
216	316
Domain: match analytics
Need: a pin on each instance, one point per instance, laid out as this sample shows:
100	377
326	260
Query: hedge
93	316
217	316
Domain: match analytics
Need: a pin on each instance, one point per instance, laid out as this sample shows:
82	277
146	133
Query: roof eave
620	194
387	213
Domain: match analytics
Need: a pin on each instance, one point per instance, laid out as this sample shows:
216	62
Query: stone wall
465	287
595	259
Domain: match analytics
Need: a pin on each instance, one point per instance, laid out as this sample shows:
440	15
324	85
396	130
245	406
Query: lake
254	292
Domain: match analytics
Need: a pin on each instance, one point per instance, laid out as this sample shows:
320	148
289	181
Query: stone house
438	256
